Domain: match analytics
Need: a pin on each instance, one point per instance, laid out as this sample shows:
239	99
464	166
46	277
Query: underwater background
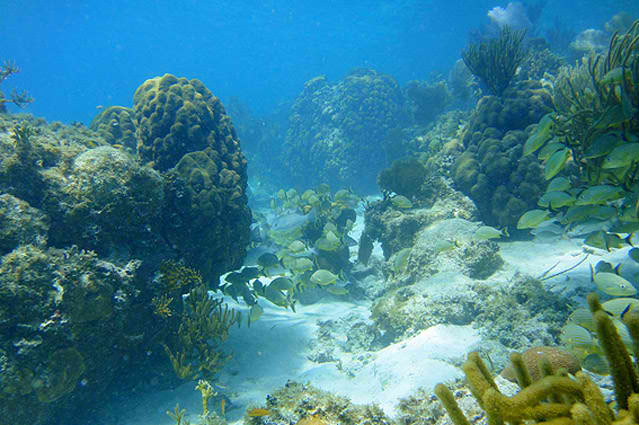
78	55
317	213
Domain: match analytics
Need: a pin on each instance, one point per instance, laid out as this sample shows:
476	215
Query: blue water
77	55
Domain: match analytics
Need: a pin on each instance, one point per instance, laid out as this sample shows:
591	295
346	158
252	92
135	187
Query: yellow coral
557	399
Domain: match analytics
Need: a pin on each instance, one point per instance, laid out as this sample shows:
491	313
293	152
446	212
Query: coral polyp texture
177	116
491	171
86	226
183	131
117	125
337	129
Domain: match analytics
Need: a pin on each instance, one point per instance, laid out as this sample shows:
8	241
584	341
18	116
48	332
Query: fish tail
628	239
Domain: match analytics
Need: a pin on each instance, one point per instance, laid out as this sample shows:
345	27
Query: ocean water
345	238
75	56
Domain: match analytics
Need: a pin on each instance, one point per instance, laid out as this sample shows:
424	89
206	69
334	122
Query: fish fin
617	269
505	232
625	310
628	239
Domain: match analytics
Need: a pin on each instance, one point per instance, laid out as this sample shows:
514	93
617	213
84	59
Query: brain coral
491	171
337	129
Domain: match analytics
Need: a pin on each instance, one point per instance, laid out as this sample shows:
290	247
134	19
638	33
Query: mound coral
404	177
176	116
183	130
337	129
491	171
117	125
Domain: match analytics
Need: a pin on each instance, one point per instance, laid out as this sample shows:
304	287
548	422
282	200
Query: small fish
556	163
624	227
329	242
323	277
548	229
625	310
258	412
621	156
612	284
539	136
583	317
617	307
337	290
575	335
300	265
532	219
596	363
603	145
255	313
600	194
607	241
484	233
297	246
399	260
268	260
555	200
550	148
401	202
558	184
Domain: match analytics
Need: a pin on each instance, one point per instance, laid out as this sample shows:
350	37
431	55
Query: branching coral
204	326
19	99
495	61
558	398
595	130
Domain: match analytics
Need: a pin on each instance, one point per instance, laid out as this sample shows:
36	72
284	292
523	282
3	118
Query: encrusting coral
558	398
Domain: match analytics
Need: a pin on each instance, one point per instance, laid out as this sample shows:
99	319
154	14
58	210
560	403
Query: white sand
274	349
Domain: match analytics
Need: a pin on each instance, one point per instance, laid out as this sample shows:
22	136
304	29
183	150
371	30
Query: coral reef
176	116
557	357
557	397
67	316
206	202
104	201
21	224
495	61
426	101
19	99
448	297
404	177
591	136
491	171
86	229
337	129
304	404
117	125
